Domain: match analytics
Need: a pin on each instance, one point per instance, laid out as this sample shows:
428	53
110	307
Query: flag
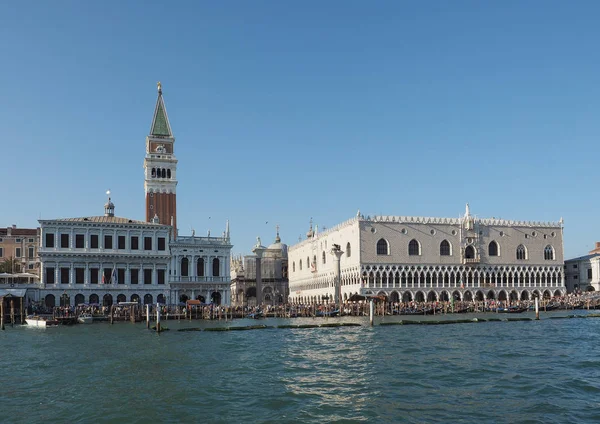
113	276
103	279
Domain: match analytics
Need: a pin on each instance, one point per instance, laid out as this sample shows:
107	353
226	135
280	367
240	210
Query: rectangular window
30	240
162	243
161	276
590	274
94	275
31	252
49	240
575	276
79	275
574	266
121	275
147	243
94	241
135	276
30	266
147	276
135	243
49	275
64	241
1	252
18	252
64	276
121	242
18	240
108	242
106	274
79	241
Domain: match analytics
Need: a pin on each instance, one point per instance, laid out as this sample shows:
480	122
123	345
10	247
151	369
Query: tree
10	265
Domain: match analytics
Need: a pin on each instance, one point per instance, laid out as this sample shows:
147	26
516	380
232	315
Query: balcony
470	261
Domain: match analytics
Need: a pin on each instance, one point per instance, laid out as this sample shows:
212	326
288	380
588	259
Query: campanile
160	169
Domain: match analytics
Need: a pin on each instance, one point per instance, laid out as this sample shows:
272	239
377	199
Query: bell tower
160	169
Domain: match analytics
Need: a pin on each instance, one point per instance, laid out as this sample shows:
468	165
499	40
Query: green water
532	371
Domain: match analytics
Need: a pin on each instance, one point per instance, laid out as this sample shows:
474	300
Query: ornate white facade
103	259
274	276
200	268
420	258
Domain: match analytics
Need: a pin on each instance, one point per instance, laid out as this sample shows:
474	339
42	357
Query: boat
328	313
85	318
256	315
40	321
512	310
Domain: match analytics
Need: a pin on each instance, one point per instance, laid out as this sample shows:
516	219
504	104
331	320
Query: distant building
20	247
103	259
583	273
420	258
274	276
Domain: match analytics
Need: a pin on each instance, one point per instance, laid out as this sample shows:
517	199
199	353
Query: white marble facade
200	268
103	259
421	258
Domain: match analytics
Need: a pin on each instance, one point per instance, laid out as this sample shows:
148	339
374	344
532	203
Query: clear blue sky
283	111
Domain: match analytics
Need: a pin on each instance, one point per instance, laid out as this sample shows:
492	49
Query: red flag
102	278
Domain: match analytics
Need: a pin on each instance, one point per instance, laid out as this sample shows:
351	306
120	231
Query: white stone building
583	273
420	258
273	267
103	259
200	268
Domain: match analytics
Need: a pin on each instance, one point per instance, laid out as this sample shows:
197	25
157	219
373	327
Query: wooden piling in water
12	312
1	313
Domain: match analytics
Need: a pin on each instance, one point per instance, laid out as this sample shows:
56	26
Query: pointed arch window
493	249
521	253
383	247
470	252
185	268
324	258
293	266
215	267
444	248
348	250
549	253
300	264
414	249
200	267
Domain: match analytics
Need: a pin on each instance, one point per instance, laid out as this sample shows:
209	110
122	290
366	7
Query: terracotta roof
19	231
105	220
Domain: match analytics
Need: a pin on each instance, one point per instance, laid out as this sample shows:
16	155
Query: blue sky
283	111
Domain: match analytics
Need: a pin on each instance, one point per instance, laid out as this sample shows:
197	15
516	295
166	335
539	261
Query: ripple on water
488	372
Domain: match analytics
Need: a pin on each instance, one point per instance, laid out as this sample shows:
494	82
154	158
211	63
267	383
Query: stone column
258	250
337	253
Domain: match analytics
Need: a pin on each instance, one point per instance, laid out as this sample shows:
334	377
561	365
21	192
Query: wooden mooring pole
147	315
371	312
158	317
1	313
537	310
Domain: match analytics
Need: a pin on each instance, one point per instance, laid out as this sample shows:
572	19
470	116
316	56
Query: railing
197	279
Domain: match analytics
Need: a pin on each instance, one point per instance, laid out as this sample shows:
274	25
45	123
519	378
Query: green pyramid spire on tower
160	122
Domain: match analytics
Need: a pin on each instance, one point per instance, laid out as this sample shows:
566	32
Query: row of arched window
161	173
185	267
414	249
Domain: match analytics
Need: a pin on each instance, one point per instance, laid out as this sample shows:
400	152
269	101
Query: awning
13	292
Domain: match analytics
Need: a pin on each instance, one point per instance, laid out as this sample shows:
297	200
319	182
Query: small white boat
85	319
38	321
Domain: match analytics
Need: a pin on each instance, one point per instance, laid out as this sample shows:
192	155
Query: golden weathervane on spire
158	84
